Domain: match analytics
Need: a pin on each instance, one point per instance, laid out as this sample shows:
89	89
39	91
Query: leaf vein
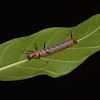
6	50
88	34
64	61
85	47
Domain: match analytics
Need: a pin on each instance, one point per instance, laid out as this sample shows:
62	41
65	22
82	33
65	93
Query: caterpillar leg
39	55
26	51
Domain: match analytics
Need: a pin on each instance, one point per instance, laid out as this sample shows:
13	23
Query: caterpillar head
31	55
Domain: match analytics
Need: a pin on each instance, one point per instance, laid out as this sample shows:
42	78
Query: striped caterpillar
50	50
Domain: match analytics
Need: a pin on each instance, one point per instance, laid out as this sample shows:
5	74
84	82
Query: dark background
18	19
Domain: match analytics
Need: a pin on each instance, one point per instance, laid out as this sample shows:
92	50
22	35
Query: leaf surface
13	64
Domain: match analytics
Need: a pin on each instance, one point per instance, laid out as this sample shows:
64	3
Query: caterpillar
50	50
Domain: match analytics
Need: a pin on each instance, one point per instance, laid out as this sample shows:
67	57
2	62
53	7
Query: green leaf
13	64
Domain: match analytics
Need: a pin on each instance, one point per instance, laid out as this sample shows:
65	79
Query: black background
19	19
